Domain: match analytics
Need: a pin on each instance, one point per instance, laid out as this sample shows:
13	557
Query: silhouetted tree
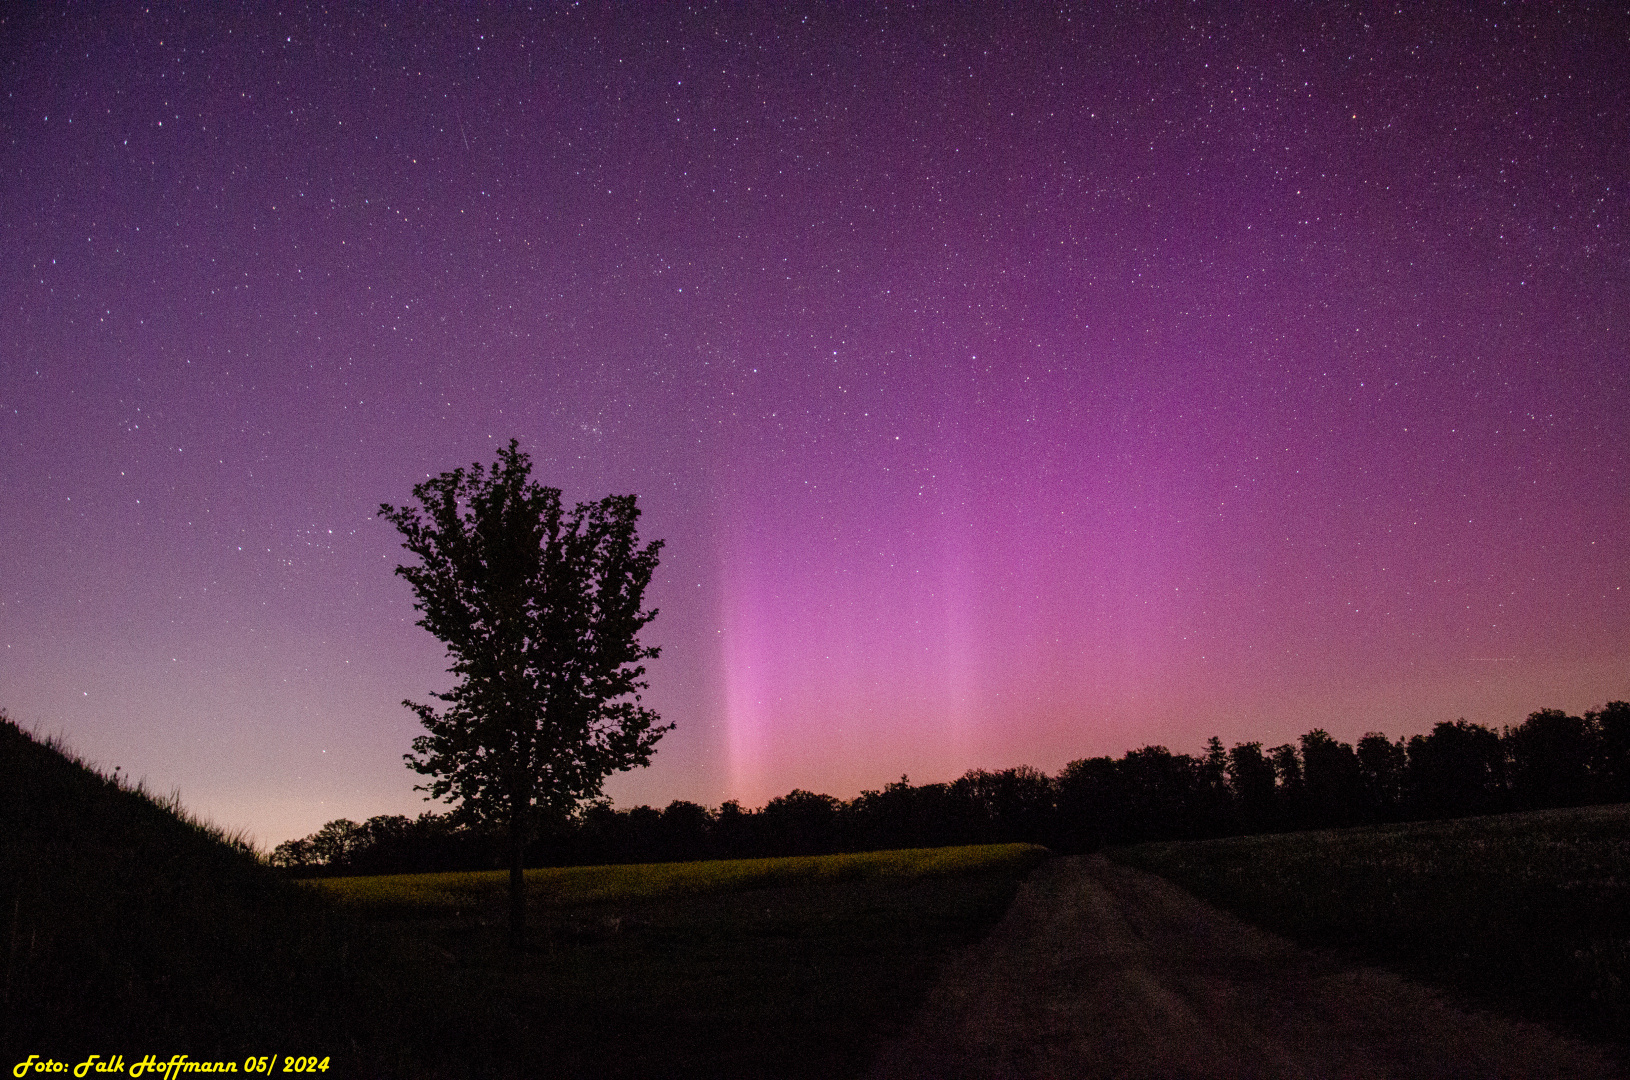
541	612
1214	798
294	854
800	823
1149	794
733	831
1008	806
1090	810
335	842
1291	793
945	813
1381	772
880	820
387	844
381	844
1612	723
645	835
1550	756
1159	789
685	831
1331	781
1457	769
1251	775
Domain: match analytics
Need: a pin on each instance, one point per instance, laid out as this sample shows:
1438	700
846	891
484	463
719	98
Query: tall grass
1525	912
170	804
129	922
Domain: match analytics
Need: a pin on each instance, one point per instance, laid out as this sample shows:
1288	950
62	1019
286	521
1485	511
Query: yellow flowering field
571	886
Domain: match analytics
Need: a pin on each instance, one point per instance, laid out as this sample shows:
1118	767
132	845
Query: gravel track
1098	970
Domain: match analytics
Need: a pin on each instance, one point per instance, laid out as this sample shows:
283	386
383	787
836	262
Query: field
1525	913
745	968
573	886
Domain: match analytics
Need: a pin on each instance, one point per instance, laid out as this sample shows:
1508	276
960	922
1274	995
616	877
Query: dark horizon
1549	761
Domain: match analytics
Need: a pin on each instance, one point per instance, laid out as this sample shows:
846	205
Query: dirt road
1102	971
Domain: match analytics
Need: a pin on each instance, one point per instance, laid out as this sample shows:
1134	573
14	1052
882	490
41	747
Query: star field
1009	387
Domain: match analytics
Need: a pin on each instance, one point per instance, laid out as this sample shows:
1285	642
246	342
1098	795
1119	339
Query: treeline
1552	759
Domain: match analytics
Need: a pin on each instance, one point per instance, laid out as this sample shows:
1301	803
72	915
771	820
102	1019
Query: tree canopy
541	610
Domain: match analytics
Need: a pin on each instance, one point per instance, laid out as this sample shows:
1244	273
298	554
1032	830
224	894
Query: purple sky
1008	389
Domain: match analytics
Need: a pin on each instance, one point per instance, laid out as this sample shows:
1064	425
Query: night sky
1009	387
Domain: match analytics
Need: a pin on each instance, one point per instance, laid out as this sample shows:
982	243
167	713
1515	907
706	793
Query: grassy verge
1527	913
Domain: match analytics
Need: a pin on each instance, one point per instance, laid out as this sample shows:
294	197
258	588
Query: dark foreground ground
803	981
1100	970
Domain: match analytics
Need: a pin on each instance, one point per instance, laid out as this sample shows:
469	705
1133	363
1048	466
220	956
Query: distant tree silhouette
645	836
1550	756
1090	810
1612	723
1381	767
800	823
1292	792
1159	790
1251	776
294	854
1331	779
1148	794
380	844
540	610
1214	799
733	831
890	818
1457	769
1010	806
943	811
686	831
605	832
387	844
335	842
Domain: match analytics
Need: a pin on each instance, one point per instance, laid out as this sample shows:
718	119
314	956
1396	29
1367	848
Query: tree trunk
517	882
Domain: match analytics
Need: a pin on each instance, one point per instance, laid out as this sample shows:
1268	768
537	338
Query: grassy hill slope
128	927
